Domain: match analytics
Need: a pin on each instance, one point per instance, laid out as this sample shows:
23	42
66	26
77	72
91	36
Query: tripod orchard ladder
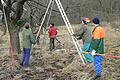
69	27
71	32
40	27
49	15
44	18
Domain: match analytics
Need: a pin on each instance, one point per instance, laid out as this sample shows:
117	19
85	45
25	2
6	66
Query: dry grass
62	64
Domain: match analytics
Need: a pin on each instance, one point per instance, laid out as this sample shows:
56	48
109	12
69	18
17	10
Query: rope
105	55
111	56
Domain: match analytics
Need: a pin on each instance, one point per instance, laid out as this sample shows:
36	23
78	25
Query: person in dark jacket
97	44
28	39
52	31
86	36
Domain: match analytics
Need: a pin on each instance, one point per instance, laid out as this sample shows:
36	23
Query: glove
93	52
78	38
38	38
75	35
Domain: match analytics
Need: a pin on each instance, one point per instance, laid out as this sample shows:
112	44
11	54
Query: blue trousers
86	48
98	64
26	56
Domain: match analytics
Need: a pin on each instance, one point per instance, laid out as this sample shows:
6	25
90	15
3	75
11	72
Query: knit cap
96	20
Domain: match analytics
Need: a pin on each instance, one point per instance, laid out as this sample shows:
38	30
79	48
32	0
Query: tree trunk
17	40
14	39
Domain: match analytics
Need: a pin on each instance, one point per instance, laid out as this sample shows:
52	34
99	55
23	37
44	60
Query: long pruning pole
64	16
6	24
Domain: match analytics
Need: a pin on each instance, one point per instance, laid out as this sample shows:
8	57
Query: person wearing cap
52	32
97	44
86	36
28	39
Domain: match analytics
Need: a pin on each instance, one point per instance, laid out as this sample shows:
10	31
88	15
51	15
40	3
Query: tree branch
0	6
41	5
13	2
19	9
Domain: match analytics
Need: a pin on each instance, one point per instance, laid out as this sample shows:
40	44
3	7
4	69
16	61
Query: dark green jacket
84	34
28	38
98	45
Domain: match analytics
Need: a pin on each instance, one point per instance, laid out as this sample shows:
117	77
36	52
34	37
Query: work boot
96	78
26	68
21	63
